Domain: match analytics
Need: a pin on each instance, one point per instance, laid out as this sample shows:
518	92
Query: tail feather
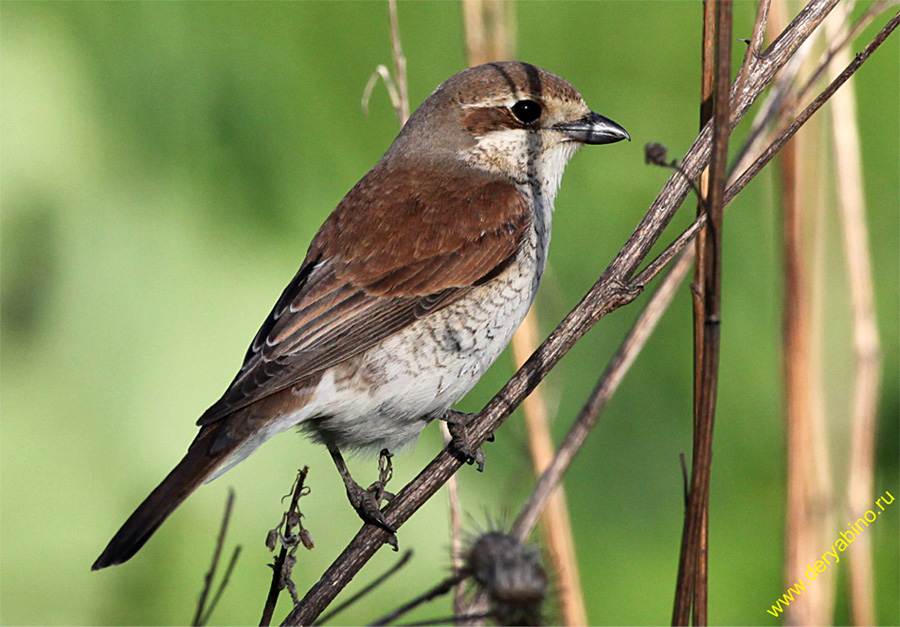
186	477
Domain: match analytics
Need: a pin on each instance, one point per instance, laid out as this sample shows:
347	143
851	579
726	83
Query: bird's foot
367	506
461	442
367	503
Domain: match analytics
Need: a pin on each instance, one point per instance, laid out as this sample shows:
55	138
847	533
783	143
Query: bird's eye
527	111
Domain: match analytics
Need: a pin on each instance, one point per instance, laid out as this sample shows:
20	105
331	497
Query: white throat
536	163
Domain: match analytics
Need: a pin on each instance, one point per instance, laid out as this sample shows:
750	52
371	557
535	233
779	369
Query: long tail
199	463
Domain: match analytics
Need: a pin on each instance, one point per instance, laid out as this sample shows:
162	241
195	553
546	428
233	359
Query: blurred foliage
164	166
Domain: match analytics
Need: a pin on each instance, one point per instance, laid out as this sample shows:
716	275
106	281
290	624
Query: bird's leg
367	503
457	423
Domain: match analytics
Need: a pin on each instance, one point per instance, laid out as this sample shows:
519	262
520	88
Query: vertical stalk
809	499
399	63
555	520
848	178
490	30
707	85
691	588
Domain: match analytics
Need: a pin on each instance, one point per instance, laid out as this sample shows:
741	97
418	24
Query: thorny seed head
511	574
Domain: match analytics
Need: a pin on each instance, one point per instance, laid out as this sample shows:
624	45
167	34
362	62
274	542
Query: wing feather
361	282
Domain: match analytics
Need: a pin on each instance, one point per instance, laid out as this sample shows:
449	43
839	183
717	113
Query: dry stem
490	30
557	527
454	505
807	498
866	348
203	613
399	64
707	88
692	569
281	567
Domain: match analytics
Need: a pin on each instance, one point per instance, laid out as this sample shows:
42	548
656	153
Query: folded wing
361	281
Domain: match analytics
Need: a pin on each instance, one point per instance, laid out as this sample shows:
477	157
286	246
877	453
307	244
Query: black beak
594	129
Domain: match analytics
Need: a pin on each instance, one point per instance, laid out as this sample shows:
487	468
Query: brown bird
409	291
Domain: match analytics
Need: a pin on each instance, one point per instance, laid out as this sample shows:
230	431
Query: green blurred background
164	166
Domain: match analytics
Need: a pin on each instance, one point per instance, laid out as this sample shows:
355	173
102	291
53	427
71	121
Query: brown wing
396	249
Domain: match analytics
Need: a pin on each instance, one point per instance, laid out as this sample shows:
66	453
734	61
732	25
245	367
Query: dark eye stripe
480	121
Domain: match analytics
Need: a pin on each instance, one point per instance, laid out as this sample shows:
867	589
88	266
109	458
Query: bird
409	291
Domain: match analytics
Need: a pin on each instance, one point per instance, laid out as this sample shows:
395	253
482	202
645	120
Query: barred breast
384	397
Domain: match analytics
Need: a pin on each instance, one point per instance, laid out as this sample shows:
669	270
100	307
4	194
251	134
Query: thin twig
201	613
665	257
611	291
698	286
753	169
838	41
781	102
225	579
393	94
390	572
439	590
685	480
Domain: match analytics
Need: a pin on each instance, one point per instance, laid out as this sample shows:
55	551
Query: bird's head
508	118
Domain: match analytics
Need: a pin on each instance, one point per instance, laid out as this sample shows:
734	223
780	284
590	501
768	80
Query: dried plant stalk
454	506
558	536
490	30
866	348
399	64
809	484
707	85
691	582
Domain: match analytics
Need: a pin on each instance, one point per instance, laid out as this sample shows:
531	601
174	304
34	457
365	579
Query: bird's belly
385	397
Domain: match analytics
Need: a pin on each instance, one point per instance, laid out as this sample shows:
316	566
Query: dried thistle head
656	154
512	576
